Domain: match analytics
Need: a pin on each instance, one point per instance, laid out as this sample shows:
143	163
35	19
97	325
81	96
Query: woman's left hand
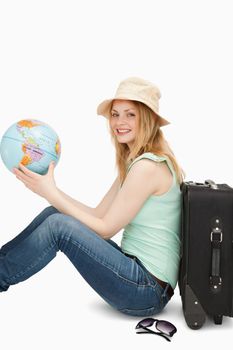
43	185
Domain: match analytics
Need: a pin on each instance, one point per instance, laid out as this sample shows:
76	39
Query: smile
123	131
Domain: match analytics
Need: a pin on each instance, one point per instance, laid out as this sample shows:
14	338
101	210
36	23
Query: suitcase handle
212	184
216	237
208	182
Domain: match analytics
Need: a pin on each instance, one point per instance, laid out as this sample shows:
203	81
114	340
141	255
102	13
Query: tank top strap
152	156
156	158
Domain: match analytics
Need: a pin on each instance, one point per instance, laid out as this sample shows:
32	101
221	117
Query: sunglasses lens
166	327
146	322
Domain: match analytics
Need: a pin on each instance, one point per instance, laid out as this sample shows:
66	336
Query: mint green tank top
154	233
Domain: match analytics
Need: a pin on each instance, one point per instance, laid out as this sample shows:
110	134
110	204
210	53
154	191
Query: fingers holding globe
32	143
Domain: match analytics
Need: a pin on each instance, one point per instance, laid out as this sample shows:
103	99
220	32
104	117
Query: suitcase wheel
192	309
218	319
195	321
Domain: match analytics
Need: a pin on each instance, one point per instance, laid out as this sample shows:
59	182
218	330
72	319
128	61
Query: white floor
57	309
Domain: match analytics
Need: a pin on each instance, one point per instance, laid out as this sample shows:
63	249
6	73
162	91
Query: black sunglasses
165	328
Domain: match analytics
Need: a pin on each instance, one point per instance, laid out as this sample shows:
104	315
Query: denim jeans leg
29	229
117	278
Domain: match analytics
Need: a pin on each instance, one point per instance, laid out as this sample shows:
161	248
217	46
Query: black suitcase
206	266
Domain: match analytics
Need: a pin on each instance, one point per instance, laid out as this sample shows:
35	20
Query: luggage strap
216	237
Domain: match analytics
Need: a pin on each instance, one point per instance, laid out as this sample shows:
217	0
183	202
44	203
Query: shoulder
152	171
143	167
141	175
143	172
148	164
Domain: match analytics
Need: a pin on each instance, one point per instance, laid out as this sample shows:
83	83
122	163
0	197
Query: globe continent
30	142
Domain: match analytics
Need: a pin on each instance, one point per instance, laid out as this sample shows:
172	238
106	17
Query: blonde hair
149	138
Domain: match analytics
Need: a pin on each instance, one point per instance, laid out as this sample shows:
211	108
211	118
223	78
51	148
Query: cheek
134	125
111	124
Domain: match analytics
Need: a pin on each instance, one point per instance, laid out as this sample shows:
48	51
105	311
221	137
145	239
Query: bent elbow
109	232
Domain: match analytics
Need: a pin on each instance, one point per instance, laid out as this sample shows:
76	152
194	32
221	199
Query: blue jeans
122	281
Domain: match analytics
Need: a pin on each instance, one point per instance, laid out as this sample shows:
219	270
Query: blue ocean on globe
30	142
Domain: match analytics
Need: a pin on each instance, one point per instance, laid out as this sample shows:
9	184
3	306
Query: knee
54	217
50	210
61	229
58	222
64	226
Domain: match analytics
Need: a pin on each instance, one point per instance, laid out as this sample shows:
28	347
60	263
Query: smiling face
123	121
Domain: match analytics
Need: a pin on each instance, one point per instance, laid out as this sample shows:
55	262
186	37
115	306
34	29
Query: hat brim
104	110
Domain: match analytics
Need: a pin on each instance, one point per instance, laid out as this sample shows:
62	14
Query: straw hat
135	89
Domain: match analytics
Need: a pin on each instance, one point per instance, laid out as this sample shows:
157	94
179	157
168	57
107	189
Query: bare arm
127	202
125	206
79	204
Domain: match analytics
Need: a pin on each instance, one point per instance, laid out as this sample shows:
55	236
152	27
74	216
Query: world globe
32	143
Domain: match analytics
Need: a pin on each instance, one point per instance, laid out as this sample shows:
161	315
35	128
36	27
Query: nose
121	120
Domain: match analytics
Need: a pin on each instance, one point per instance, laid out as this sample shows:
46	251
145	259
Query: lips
123	131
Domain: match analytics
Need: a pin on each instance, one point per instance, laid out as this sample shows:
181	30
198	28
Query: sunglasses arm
147	330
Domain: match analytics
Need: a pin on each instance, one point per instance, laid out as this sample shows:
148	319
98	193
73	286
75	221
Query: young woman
138	277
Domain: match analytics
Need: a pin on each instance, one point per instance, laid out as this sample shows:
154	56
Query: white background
58	60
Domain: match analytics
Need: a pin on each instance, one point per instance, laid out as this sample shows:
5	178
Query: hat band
129	96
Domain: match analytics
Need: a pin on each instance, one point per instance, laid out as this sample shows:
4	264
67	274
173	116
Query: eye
114	114
131	115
